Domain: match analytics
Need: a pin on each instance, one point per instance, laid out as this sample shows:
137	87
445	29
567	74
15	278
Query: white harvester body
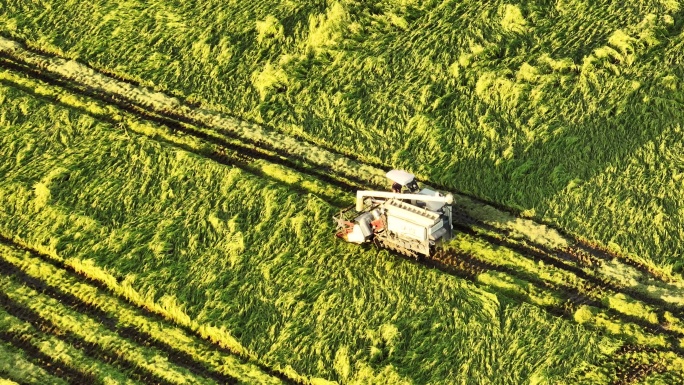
410	223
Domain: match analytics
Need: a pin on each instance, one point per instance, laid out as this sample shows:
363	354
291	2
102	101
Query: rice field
167	192
204	261
559	109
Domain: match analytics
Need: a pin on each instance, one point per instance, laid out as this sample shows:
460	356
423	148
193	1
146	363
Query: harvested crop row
212	122
143	328
142	362
664	357
224	149
16	364
51	353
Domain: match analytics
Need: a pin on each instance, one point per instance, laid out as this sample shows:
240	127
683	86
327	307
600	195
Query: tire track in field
471	267
572	297
47	363
109	321
583	253
24	340
93	350
629	372
591	290
563	260
635	369
141	338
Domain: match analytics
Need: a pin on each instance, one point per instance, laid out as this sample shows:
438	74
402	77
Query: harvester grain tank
409	220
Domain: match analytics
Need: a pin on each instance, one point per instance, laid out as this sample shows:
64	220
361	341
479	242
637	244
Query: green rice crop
566	110
91	332
128	317
226	251
516	227
16	365
59	351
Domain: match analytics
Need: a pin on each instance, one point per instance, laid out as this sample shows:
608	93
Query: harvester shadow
569	155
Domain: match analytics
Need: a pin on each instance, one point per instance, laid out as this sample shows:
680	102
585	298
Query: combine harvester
408	220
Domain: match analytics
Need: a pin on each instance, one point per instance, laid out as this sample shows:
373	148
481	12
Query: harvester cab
402	181
409	220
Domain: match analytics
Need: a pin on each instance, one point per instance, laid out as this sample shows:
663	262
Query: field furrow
16	364
47	349
124	331
143	328
141	363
